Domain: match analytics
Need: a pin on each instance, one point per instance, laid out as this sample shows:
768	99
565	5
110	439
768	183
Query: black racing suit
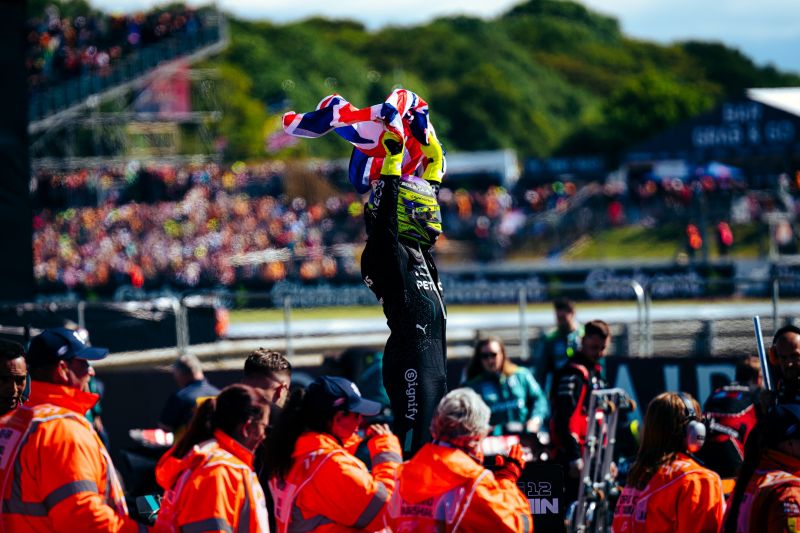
403	276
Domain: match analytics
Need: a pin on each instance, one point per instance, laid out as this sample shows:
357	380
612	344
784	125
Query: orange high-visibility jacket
56	473
211	488
330	490
771	503
442	489
682	497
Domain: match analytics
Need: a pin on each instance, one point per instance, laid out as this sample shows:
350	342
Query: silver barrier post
776	288
524	352
82	314
180	336
287	325
640	304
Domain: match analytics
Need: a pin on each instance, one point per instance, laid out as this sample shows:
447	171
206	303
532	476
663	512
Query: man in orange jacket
56	474
770	502
444	488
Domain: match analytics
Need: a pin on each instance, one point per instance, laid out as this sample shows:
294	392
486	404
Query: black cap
60	344
331	393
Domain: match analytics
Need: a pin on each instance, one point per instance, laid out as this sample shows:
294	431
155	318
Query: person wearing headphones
403	221
13	376
667	490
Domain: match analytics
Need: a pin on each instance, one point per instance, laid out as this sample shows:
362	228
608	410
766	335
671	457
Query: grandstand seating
204	224
71	59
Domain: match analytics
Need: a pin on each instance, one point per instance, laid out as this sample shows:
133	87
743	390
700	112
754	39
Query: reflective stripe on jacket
212	488
771	501
682	497
442	489
56	473
330	490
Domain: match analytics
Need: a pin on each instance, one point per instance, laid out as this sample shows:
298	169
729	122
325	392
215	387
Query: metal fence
155	331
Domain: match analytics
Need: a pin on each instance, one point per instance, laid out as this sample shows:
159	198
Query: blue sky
768	31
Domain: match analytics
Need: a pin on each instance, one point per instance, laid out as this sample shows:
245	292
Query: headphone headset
695	429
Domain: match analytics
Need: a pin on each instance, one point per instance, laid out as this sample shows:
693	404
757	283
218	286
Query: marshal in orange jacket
212	488
682	497
328	490
442	489
56	473
772	498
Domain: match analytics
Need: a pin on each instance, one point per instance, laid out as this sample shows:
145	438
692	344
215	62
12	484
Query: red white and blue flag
403	113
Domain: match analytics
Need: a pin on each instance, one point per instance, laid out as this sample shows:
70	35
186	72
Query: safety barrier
220	324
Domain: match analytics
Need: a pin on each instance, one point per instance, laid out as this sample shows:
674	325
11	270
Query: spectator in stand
767	494
57	473
445	487
570	395
269	371
192	388
13	376
667	489
724	238
317	483
515	399
208	476
731	412
556	348
64	47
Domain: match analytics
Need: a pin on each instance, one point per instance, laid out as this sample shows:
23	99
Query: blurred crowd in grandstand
204	224
63	47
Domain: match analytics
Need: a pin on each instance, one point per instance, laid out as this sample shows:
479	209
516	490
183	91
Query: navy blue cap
60	344
332	393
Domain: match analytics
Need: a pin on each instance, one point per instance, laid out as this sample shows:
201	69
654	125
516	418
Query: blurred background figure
724	238
556	348
731	413
208	476
667	489
315	479
445	487
515	399
13	375
571	393
192	386
784	356
269	371
767	494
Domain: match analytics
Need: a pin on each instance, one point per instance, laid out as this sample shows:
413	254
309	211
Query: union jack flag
403	112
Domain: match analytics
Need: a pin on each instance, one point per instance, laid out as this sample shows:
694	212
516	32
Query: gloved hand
435	170
510	467
393	162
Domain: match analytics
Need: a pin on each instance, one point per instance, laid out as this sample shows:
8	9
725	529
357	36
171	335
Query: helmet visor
430	213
